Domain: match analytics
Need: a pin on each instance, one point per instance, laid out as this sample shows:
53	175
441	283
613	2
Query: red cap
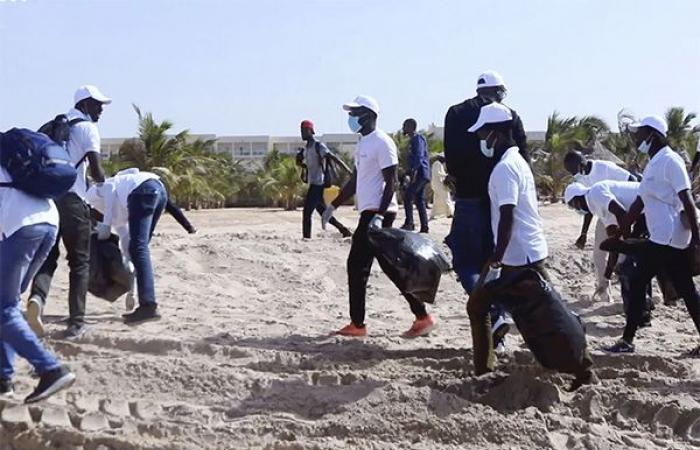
307	124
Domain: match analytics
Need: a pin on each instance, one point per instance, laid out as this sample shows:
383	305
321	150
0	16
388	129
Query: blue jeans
145	205
415	192
21	255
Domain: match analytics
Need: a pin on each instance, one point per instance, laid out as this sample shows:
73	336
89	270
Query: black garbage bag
413	262
110	278
555	335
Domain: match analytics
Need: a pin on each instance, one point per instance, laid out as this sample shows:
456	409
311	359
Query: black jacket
463	157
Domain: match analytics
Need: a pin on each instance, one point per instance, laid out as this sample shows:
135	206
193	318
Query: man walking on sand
374	184
419	175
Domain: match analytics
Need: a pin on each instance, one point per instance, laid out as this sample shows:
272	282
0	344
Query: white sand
242	359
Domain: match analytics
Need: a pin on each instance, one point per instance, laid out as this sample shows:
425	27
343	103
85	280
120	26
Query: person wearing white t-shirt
373	182
75	225
589	172
674	237
28	229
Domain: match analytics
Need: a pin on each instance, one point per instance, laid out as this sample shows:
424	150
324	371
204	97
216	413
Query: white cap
490	78
491	113
363	100
654	122
90	91
574	190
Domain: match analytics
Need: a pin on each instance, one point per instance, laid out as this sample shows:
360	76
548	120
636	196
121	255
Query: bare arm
581	241
689	208
505	229
631	217
389	174
96	171
346	192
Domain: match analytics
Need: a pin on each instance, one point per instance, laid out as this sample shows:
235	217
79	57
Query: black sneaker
621	346
50	383
142	314
6	387
424	230
345	232
75	331
408	227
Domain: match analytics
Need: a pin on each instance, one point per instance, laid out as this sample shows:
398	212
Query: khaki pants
478	307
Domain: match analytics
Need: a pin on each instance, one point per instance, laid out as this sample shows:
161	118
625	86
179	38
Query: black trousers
74	230
650	262
359	266
314	201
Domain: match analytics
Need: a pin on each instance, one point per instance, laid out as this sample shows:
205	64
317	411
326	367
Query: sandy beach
242	358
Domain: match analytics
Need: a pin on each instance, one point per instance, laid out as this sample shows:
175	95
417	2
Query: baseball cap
307	124
363	100
90	91
491	113
574	190
654	122
490	78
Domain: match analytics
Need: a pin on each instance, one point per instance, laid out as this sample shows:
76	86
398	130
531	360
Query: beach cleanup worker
75	225
132	202
28	230
314	157
671	218
515	221
442	198
589	172
373	182
419	176
470	238
609	202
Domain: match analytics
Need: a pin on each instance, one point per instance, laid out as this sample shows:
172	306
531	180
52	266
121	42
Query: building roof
598	151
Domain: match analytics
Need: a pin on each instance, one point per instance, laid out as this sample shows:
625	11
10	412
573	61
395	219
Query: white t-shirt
84	138
375	152
663	178
18	209
601	194
512	183
603	171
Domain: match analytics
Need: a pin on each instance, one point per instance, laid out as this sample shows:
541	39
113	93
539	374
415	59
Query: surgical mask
645	146
485	149
579	177
354	124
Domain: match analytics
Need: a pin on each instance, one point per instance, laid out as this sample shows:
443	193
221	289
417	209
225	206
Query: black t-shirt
463	157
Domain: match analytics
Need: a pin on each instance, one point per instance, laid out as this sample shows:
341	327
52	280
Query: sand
242	359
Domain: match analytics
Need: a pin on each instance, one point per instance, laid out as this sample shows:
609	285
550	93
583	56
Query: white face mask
485	149
645	146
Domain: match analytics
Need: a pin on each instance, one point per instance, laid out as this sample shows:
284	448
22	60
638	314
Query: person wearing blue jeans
28	229
419	173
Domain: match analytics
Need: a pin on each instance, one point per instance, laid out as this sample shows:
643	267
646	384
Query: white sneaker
501	348
35	308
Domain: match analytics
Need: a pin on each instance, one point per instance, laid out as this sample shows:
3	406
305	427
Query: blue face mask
354	124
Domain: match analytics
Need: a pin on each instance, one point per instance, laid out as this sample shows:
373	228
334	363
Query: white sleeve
109	194
617	173
676	175
505	185
89	137
598	199
389	155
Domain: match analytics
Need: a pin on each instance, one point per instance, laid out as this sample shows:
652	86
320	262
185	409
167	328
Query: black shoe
345	232
50	383
424	230
142	314
75	331
408	227
646	322
621	346
6	387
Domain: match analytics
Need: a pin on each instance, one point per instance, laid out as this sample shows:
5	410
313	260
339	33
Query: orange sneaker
352	330
420	327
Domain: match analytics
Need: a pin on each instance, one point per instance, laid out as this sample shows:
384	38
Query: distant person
419	177
132	202
314	157
589	172
442	198
374	184
674	237
469	167
75	226
515	221
28	229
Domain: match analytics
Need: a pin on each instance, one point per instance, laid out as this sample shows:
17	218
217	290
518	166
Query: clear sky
261	66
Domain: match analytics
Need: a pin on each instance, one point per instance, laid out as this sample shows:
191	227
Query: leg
679	270
408	198
21	255
647	265
321	207
478	307
75	230
359	266
420	205
310	203
42	280
142	206
600	259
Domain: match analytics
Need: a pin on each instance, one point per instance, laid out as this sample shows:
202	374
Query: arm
631	217
339	162
179	216
619	212
346	192
451	139
96	171
389	174
581	241
505	229
689	208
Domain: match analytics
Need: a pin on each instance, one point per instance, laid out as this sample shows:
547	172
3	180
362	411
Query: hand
104	231
327	216
377	222
580	242
609	272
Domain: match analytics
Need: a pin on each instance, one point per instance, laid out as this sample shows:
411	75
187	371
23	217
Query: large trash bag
413	262
555	335
110	277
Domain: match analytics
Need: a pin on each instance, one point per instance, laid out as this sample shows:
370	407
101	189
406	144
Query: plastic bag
413	262
110	277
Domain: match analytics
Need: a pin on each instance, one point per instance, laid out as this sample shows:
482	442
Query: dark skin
657	143
93	109
492	94
409	129
368	120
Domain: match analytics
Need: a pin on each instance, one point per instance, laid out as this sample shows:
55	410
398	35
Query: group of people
31	229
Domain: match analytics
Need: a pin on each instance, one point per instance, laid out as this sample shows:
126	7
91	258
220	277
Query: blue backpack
37	165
